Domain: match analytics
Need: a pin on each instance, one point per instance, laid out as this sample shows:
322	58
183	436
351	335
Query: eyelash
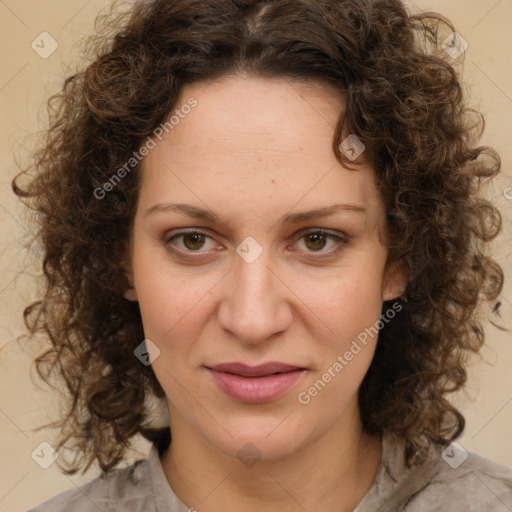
314	231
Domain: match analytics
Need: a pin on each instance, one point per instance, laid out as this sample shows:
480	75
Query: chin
269	438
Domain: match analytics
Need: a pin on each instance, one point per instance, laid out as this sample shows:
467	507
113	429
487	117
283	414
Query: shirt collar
165	499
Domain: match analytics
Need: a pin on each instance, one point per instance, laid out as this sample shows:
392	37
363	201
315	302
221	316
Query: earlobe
131	292
395	281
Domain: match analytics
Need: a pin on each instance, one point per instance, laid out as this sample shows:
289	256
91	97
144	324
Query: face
257	261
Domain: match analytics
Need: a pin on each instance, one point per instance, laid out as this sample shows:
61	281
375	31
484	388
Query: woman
268	216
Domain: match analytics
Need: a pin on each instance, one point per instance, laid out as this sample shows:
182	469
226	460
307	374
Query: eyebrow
290	218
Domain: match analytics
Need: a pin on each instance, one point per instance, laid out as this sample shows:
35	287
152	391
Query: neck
331	473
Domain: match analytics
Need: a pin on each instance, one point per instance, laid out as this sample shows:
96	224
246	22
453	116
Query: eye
317	240
198	241
189	241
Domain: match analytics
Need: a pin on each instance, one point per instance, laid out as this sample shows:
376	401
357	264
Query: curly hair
404	100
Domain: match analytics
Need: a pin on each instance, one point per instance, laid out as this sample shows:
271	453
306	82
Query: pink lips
257	384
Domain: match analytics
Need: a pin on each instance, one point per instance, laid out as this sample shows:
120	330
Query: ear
130	293
395	281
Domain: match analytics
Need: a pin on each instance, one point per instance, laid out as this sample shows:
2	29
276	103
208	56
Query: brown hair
404	101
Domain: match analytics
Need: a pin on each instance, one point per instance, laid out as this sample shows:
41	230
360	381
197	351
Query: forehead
245	133
252	114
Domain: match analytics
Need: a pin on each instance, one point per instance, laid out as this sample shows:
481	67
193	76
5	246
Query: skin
253	151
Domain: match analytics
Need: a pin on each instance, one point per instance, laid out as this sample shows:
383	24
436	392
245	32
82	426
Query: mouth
255	384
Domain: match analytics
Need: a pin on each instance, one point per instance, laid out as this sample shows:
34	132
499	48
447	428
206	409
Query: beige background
27	80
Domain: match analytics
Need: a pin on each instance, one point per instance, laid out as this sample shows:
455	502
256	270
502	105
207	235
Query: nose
255	304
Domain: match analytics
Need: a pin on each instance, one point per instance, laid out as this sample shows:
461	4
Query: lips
254	371
255	384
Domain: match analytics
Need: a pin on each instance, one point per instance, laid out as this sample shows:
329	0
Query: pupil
318	241
197	241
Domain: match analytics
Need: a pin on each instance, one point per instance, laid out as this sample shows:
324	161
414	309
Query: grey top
449	480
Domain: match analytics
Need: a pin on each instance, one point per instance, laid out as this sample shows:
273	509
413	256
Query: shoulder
463	481
449	478
127	489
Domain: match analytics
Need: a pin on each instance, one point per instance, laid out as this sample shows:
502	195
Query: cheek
347	304
172	312
351	309
169	301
